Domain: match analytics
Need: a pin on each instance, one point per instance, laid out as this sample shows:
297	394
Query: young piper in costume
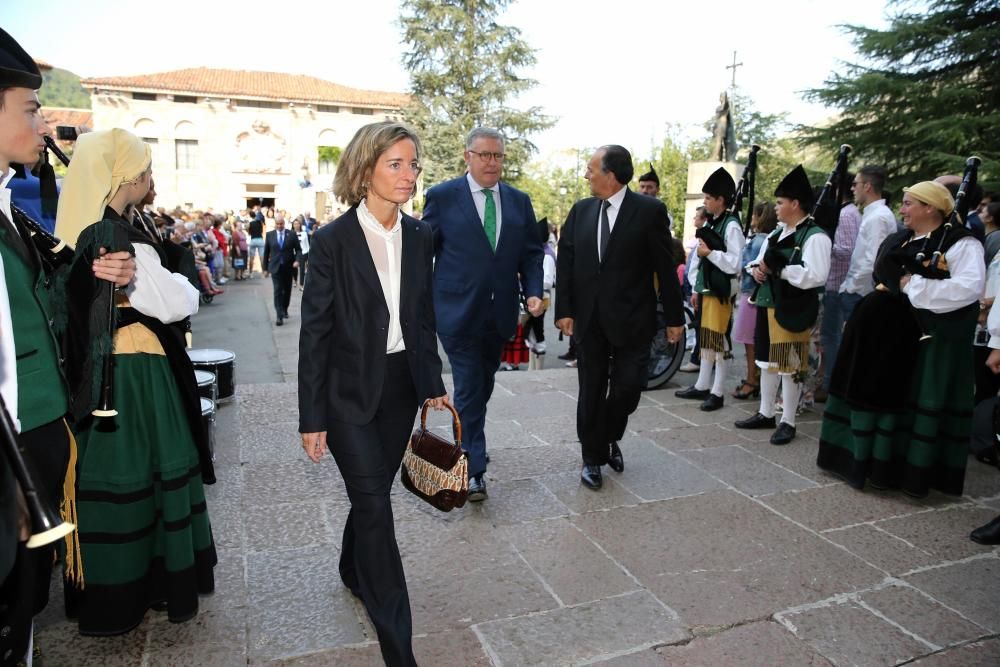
720	245
791	269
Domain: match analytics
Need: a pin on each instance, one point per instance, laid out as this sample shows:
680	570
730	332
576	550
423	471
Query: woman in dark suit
368	358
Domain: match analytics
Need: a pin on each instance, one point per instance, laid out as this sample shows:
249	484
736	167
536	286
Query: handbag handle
455	421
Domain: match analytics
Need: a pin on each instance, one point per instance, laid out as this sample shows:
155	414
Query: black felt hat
720	184
17	68
650	175
796	186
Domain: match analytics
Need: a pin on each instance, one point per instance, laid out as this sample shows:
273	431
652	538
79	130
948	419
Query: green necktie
490	219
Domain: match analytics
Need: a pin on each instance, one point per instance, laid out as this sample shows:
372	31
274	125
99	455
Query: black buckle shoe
591	477
477	489
692	392
783	434
711	403
757	421
616	460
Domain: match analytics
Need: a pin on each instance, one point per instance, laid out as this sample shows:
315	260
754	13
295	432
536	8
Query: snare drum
208	420
206	384
223	364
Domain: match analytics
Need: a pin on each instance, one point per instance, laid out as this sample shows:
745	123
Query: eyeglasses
486	155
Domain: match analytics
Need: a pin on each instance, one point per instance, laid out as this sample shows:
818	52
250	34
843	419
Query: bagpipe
57	254
715	280
920	264
797	309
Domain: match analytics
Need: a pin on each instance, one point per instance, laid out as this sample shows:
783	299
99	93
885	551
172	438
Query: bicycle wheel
665	357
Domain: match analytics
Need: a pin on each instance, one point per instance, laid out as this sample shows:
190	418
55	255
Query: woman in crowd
900	404
144	534
762	222
300	230
368	358
238	249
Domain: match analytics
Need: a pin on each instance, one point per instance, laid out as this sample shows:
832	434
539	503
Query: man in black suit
281	257
609	250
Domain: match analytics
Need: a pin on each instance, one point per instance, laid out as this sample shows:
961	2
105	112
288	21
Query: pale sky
610	72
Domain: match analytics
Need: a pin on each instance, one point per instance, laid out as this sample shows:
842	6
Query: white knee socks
721	367
768	392
704	375
790	392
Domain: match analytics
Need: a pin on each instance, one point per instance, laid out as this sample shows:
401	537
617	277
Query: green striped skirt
926	446
145	536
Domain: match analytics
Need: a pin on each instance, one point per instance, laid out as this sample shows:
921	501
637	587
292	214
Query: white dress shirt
386	248
877	222
968	278
614	206
815	265
8	354
479	199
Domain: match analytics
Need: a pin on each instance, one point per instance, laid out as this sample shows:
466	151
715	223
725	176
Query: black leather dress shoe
757	421
477	489
783	434
692	392
711	403
591	477
988	534
616	460
279	322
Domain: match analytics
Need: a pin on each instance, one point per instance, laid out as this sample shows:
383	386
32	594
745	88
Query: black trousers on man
612	378
25	591
368	457
281	281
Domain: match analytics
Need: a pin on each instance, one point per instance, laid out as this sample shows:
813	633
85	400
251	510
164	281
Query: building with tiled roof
236	84
223	138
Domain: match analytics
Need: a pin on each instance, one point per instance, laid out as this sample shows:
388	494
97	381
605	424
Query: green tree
927	97
463	69
671	163
61	88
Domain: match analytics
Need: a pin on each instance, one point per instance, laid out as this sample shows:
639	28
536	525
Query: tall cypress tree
463	69
927	97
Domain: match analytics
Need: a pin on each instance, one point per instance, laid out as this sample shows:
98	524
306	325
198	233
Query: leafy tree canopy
464	72
61	88
927	95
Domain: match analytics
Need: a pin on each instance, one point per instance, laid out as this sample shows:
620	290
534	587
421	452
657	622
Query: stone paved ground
712	548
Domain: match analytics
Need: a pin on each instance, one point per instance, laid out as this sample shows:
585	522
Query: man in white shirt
877	222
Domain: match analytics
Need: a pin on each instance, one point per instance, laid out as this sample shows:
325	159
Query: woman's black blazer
345	324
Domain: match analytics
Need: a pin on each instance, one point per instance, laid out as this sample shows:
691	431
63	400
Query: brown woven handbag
434	469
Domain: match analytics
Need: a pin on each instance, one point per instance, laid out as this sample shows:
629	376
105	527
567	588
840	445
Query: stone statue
724	135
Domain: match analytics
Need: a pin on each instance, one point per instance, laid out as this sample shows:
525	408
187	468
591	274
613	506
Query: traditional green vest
720	227
41	387
765	295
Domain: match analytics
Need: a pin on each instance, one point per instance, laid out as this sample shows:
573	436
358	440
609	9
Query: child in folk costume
720	245
145	538
791	269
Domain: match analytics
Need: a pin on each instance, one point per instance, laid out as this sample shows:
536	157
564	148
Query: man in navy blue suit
487	252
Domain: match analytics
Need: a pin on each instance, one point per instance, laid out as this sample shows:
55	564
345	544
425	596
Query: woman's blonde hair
359	158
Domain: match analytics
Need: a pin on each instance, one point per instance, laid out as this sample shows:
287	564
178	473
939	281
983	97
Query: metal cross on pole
733	67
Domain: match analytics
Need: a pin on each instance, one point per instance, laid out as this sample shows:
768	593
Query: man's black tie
605	229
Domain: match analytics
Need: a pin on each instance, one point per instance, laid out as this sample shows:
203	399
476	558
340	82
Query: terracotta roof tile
63	116
249	84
